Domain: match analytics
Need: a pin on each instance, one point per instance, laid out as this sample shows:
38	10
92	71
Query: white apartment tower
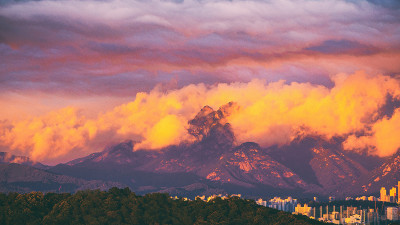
392	213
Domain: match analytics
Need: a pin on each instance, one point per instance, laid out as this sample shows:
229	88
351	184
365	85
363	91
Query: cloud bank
270	113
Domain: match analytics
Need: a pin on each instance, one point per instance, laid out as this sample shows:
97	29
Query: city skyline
342	215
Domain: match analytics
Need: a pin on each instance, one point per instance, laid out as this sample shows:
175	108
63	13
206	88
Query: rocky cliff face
334	170
248	164
320	162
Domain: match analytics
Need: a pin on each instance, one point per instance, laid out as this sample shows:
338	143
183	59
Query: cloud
67	67
342	47
350	106
387	3
49	136
68	48
271	113
382	139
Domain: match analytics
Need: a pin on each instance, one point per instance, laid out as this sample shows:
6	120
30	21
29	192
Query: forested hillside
121	206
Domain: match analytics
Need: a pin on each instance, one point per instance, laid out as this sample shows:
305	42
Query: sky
77	76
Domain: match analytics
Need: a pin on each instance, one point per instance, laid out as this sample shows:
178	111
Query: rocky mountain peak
205	111
208	121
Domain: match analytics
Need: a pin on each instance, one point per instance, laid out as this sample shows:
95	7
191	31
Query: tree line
122	206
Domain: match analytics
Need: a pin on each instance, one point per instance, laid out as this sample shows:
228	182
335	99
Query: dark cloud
391	4
389	107
343	47
6	2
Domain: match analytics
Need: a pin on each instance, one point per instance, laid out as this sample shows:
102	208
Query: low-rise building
353	219
261	202
304	210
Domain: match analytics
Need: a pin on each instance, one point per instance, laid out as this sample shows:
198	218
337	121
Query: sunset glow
77	76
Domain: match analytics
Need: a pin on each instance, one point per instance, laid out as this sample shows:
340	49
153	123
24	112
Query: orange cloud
386	134
268	113
384	137
49	136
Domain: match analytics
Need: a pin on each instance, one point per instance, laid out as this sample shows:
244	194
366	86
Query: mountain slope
23	178
387	175
121	206
214	161
320	162
6	157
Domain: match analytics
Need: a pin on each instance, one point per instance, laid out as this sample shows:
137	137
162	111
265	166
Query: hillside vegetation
121	206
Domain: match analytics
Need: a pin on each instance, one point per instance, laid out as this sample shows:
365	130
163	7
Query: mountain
387	175
215	163
120	163
212	163
22	178
320	162
6	157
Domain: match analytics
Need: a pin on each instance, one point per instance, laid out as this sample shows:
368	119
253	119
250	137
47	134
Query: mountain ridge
309	165
23	178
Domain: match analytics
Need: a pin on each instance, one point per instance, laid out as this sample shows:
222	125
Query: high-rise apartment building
398	193
392	194
392	213
384	196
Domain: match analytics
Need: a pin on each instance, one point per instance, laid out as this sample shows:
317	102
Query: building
372	217
335	218
237	195
287	205
201	197
261	202
350	211
384	197
362	198
393	191
353	219
371	198
392	213
393	195
304	210
212	197
398	196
